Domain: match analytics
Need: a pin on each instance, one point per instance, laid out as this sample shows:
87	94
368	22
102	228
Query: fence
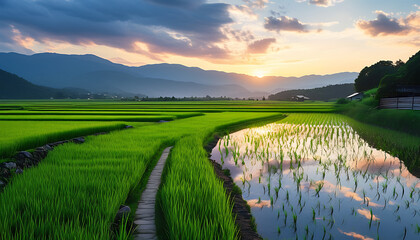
410	103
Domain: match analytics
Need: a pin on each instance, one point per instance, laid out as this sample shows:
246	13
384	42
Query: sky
255	37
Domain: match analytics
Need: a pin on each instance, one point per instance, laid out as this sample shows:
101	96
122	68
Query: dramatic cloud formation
184	27
243	36
260	46
284	23
384	24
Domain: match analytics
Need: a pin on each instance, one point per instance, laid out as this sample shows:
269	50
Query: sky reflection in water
325	178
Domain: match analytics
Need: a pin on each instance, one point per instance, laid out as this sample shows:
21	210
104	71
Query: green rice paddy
23	135
75	192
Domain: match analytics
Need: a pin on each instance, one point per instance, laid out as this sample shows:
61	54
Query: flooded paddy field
316	178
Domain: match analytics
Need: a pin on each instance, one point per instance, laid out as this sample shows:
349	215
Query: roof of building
354	94
301	96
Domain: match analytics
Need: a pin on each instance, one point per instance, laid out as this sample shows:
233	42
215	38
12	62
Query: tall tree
370	77
407	74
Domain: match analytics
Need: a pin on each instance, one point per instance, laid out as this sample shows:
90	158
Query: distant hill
100	75
154	87
78	71
321	94
265	84
15	87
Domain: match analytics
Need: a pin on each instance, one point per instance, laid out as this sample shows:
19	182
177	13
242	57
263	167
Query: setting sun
259	73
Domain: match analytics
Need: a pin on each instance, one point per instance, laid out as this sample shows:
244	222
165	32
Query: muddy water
321	182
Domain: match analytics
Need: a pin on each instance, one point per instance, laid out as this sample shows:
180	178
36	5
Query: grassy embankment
392	130
367	111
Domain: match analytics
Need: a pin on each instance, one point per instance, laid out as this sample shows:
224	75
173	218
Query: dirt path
145	214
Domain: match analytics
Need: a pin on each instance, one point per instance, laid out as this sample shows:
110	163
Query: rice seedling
313	215
294	222
276	189
318	188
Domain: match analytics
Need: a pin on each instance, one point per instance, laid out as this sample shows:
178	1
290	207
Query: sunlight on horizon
259	73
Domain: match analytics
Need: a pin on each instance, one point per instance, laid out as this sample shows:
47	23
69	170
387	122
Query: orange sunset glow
293	38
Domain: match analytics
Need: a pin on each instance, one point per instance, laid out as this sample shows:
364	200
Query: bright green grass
190	195
400	120
22	135
190	191
114	112
75	192
201	106
23	113
144	118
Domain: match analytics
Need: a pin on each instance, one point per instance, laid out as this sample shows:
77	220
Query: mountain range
103	76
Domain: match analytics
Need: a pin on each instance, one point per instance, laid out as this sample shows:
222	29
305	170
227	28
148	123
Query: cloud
413	21
324	3
321	3
9	36
366	213
258	203
238	35
355	235
260	46
384	25
284	23
346	191
256	3
243	11
181	27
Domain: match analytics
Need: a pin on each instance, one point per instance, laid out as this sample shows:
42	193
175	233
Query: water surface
321	182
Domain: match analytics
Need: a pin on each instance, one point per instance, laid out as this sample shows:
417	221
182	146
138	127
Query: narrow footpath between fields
145	214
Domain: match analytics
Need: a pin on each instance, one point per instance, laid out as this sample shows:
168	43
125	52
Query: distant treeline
389	77
173	99
15	87
330	92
